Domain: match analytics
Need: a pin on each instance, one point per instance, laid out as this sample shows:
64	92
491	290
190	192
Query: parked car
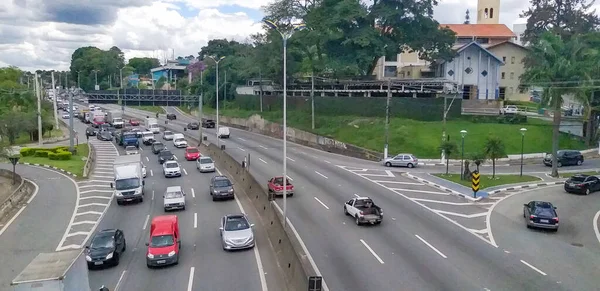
208	123
509	109
540	214
171	116
565	158
363	210
171	169
402	160
205	164
104	135
193	125
106	248
134	122
168	135
582	184
192	153
236	232
275	186
158	146
174	198
220	187
131	150
165	155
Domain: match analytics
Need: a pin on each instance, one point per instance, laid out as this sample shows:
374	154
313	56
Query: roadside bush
42	154
502	119
26	152
51	153
61	156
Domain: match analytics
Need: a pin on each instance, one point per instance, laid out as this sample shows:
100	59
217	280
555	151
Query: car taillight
531	217
580	185
555	219
362	213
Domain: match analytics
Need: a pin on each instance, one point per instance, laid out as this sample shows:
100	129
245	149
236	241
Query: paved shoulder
39	227
93	197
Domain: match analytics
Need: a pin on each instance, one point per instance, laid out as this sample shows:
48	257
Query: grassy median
153	109
74	165
486	181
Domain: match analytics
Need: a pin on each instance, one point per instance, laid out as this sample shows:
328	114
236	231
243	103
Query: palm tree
494	149
449	148
558	65
478	158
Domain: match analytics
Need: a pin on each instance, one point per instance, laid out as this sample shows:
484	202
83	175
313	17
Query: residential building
512	56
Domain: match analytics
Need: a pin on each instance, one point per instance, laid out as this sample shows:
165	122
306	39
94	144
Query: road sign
475	182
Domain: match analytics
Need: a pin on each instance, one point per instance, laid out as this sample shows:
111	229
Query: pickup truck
275	186
363	210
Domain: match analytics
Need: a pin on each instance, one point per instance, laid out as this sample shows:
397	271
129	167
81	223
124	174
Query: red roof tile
480	30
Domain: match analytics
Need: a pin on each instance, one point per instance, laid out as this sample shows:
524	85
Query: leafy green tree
494	150
161	82
478	158
449	148
143	65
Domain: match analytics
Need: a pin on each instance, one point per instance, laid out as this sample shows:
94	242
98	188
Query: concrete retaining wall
16	198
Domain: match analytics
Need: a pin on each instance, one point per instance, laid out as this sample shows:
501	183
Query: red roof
480	30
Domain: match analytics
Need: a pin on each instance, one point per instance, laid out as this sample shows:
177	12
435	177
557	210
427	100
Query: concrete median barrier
18	197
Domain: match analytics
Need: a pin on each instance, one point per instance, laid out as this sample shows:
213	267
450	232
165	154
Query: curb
526	187
443	188
50	167
88	162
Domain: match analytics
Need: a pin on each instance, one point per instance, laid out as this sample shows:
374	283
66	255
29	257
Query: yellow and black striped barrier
475	182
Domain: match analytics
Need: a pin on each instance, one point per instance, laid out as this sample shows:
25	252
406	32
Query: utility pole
71	131
54	101
67	82
39	109
261	88
225	87
312	98
387	119
444	114
200	104
79	79
121	88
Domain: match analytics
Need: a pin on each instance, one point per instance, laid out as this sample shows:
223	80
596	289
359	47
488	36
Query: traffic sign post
475	182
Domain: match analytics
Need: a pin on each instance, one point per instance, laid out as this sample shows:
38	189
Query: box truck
129	179
152	125
115	118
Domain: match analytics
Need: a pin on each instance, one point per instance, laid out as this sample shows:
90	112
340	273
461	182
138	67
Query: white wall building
519	30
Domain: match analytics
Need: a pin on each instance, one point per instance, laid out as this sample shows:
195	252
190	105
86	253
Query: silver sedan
236	232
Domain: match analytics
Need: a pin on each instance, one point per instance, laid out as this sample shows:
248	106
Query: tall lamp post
96	72
463	133
217	61
285	35
523	131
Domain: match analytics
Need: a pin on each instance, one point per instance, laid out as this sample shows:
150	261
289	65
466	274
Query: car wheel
124	246
410	165
214	199
183	208
117	259
388	164
587	191
141	199
119	202
356	220
579	162
345	211
559	164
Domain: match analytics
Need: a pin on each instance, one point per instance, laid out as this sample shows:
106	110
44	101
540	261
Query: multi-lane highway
203	264
416	248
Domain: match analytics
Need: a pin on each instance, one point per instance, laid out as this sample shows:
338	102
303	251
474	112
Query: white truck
57	271
129	179
115	118
363	210
152	125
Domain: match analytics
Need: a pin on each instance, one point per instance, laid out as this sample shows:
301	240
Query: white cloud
201	4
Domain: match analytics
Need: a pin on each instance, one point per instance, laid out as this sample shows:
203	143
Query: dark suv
208	123
171	116
565	158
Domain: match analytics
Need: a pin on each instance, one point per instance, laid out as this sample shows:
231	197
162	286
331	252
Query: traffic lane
40	226
572	254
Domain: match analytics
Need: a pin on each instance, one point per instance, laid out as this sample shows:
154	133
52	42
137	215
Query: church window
485	13
491	12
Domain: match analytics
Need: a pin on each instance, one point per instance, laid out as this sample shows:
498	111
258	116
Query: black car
582	184
165	155
540	214
104	135
106	248
221	188
158	146
208	123
107	127
171	116
91	131
193	125
565	158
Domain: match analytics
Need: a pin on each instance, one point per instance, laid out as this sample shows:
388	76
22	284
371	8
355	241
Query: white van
179	141
223	132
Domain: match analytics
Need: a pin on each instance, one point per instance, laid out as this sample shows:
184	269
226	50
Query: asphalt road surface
203	264
572	254
40	225
415	247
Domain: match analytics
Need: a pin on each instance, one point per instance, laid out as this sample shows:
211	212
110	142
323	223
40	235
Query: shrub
26	152
64	156
52	156
42	153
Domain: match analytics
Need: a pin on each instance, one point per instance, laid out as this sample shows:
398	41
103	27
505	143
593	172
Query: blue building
133	80
172	71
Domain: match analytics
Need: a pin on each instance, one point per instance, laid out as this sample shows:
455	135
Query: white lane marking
263	161
372	251
452	203
321	175
96	191
356	195
595	223
92	204
221	174
79	233
152	195
403	183
195	220
120	279
191	279
90	186
193	193
532	267
101	176
141	149
175	158
146	222
241	139
184	171
431	247
264	147
327	161
88	212
95	181
321	203
460	214
290	178
290	159
241	149
151	173
22	208
147	160
84	222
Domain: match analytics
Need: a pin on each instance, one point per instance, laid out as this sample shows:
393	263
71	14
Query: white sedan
66	115
205	164
171	169
180	142
131	150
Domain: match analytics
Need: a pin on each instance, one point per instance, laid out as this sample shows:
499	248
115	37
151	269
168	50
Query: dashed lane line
372	251
263	161
431	246
321	202
533	267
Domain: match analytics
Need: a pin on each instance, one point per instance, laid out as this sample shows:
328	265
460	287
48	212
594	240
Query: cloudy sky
42	34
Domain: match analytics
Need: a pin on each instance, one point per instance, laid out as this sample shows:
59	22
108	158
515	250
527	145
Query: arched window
491	12
485	13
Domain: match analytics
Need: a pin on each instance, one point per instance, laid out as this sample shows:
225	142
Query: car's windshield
237	223
179	139
160	241
148	134
102	242
222	183
193	151
129	135
171	165
168	133
127	184
131	148
279	181
206	161
165	153
174	194
158	145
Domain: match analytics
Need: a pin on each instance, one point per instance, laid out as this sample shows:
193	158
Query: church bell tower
488	11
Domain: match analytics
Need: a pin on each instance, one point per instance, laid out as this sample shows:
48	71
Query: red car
276	186
134	122
165	241
192	153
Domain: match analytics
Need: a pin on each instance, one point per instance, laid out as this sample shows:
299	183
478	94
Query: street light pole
523	130
285	35
200	113
217	61
463	133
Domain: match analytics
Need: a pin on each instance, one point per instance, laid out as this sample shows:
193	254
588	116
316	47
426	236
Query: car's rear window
577	179
540	211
